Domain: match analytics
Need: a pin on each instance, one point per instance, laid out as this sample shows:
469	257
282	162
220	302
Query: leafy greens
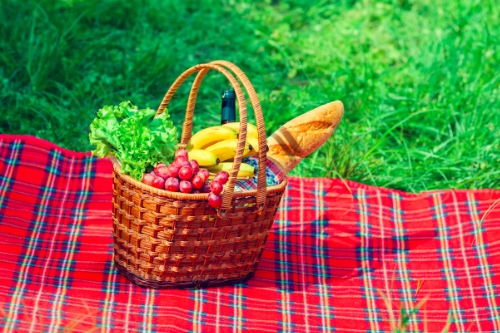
135	137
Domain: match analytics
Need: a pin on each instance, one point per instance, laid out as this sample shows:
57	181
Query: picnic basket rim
191	196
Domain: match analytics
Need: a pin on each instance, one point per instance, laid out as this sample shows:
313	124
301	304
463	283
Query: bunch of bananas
215	148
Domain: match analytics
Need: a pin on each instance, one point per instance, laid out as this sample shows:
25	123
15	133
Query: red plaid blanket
341	257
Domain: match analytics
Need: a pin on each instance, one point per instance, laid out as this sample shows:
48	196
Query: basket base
140	281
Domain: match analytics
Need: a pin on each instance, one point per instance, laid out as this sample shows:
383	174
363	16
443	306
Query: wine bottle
228	114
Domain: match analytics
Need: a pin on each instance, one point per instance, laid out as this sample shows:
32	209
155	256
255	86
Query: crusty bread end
304	134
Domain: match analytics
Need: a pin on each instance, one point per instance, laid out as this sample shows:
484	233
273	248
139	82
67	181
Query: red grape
205	188
185	173
197	182
148	179
183	164
214	200
179	160
204	174
172	184
158	182
195	191
195	166
185	186
162	171
173	171
222	177
216	187
181	152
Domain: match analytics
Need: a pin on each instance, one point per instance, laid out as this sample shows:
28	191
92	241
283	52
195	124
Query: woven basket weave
173	240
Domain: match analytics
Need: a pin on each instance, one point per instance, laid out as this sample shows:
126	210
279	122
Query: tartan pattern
274	175
336	247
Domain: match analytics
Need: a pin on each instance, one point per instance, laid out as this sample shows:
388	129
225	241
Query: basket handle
187	128
261	129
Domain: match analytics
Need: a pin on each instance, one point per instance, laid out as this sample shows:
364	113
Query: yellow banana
203	157
226	150
251	129
210	135
254	144
246	170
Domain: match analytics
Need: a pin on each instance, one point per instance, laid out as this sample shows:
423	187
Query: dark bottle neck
228	114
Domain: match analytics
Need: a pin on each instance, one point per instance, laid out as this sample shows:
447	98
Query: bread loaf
303	135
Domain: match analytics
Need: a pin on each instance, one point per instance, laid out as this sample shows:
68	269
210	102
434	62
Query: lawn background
420	80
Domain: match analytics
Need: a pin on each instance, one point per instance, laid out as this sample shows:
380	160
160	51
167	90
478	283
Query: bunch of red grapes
184	175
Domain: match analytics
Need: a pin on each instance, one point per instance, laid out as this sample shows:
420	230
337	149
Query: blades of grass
369	55
449	321
405	315
388	305
490	209
386	133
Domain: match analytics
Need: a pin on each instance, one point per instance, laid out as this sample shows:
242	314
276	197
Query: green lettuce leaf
135	137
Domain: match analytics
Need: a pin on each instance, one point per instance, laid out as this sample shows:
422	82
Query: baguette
303	135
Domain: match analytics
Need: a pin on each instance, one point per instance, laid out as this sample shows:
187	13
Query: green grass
420	80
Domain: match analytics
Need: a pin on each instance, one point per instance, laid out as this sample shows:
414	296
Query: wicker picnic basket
174	240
